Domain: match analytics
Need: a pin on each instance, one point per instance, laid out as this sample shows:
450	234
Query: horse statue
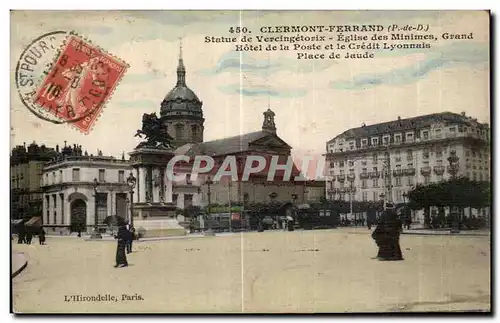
154	131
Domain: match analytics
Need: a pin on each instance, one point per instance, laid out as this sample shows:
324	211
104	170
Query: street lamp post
131	181
453	170
405	215
95	234
209	183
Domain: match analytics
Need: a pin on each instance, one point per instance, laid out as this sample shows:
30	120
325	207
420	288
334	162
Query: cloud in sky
242	62
138	103
130	78
461	53
266	91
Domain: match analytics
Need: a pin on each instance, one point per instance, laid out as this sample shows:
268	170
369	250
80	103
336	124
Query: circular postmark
34	60
62	79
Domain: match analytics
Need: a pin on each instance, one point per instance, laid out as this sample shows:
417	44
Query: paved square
301	271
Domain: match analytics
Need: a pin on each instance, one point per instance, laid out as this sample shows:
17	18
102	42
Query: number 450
238	30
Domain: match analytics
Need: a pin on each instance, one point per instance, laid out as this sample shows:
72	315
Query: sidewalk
444	232
19	262
106	237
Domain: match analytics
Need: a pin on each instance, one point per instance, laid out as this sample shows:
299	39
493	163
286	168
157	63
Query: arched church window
194	132
178	131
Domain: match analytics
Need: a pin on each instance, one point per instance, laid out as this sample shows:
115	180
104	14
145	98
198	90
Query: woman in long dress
122	237
386	235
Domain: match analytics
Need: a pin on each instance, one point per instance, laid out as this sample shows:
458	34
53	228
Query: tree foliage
459	192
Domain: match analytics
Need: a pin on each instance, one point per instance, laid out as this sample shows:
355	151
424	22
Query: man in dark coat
386	235
131	230
122	236
29	235
41	236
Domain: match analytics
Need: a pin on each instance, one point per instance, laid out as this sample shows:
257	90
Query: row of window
410	181
397	157
398	138
76	176
376	182
374	196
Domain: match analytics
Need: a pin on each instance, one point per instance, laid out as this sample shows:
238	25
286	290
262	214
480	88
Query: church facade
70	199
181	115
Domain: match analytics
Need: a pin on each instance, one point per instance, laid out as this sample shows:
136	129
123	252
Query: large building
390	158
26	164
70	183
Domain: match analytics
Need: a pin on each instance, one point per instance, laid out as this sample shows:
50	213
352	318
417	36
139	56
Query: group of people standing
25	235
125	237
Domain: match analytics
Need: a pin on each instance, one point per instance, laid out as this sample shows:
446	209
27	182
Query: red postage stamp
79	83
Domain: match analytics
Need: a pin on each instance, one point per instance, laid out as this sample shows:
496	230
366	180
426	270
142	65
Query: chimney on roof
24	144
463	113
399	117
363	125
57	148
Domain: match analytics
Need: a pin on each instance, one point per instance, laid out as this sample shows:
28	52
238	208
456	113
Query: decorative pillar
180	200
141	179
168	187
45	208
162	185
138	188
109	205
63	214
149	184
156	185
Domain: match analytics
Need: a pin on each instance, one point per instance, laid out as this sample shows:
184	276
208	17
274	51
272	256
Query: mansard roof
408	124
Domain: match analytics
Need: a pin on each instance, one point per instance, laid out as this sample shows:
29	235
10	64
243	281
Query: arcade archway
78	209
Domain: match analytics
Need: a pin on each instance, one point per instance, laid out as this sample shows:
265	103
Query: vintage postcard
250	161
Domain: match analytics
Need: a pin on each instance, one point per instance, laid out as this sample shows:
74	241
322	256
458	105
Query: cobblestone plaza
275	271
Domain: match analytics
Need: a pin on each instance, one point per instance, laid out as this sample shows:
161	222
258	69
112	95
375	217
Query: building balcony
351	177
374	174
364	175
341	178
398	172
439	170
342	190
409	171
425	170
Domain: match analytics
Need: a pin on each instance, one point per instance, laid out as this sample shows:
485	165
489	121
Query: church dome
181	101
182	93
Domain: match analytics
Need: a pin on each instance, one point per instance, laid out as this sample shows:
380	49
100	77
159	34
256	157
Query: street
277	272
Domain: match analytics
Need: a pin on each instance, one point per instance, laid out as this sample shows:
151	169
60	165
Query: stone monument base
159	227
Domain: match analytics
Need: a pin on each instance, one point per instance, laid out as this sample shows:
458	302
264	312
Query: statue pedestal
157	220
160	227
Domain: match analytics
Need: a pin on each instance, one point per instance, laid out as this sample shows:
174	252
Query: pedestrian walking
131	239
386	235
29	236
122	237
41	236
21	236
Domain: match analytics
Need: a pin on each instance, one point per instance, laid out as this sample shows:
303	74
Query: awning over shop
35	221
16	222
